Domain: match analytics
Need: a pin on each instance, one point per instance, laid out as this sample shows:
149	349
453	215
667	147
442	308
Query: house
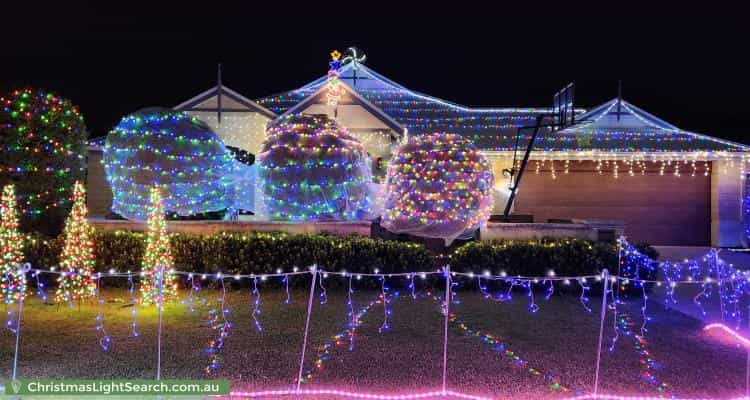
617	162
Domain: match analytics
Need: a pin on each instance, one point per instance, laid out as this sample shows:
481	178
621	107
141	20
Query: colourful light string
40	287
352	315
384	297
218	322
323	291
646	360
339	339
256	305
134	301
105	341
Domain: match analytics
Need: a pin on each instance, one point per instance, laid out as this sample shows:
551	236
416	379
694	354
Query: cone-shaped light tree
157	259
77	259
12	277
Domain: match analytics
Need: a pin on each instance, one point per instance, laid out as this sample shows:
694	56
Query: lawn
559	340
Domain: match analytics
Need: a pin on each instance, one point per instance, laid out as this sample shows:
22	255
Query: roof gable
231	101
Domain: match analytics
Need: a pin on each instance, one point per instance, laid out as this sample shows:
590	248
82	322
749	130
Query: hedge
245	253
567	257
259	253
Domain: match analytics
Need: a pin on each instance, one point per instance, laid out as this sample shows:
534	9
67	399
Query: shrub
245	253
567	257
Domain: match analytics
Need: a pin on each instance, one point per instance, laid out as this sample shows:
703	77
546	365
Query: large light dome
439	186
157	146
311	168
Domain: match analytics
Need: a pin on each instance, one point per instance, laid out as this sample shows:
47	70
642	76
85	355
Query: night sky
112	59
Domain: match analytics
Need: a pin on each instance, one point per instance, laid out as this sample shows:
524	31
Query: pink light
432	394
745	341
359	395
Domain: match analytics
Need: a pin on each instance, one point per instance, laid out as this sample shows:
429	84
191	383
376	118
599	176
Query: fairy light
310	167
157	258
172	150
218	322
12	280
256	305
105	341
352	316
439	185
385	300
134	302
44	149
77	258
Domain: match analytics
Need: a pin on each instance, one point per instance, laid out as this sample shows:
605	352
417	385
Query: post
445	331
314	272
605	280
158	330
18	335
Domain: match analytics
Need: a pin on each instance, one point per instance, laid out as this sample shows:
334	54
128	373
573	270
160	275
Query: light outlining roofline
386	81
554	155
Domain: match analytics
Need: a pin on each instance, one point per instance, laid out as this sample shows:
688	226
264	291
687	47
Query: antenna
218	92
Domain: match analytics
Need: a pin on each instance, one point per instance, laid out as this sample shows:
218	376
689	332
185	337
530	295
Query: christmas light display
42	151
311	168
731	332
179	153
12	275
157	277
334	86
76	283
218	322
438	186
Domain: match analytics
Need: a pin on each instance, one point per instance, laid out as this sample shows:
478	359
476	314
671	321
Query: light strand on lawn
352	322
40	287
386	311
324	351
190	300
105	341
285	279
646	360
323	292
497	344
584	299
533	307
256	305
218	322
134	300
412	288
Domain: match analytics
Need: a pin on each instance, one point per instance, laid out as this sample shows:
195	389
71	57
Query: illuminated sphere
311	168
180	153
438	186
43	153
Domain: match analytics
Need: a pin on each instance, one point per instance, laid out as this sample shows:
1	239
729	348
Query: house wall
98	193
244	130
660	209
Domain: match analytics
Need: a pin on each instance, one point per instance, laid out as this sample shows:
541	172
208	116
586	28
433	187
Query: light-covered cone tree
12	277
77	260
158	255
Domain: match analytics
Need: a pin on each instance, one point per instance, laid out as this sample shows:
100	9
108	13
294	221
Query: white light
359	277
325	275
486	273
471	274
551	273
203	276
295	269
503	273
377	271
111	270
278	270
263	277
566	282
423	276
237	277
218	274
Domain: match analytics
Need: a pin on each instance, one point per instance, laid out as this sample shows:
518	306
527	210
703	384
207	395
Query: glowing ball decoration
42	152
438	186
311	168
171	150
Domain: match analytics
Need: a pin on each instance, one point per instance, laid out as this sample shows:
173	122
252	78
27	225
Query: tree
157	259
43	142
77	260
12	277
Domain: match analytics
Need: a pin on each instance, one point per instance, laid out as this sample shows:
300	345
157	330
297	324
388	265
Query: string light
43	142
172	150
157	259
12	277
256	305
335	91
310	168
218	322
439	185
77	258
105	341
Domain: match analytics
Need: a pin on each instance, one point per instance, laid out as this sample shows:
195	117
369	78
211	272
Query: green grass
60	342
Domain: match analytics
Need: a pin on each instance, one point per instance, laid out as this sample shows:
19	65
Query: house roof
618	126
496	128
231	102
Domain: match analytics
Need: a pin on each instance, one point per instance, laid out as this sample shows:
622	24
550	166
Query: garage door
659	209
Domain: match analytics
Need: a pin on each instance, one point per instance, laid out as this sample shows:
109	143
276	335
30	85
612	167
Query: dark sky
689	67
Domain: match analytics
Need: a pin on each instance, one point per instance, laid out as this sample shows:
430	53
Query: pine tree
12	278
158	255
77	258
